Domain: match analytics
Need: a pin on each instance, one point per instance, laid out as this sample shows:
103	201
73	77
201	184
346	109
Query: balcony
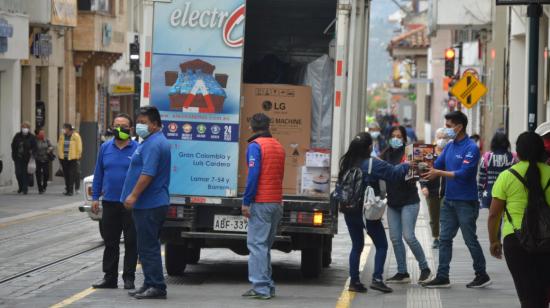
453	14
100	36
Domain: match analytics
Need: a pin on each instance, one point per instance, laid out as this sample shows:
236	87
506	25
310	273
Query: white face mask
25	131
375	134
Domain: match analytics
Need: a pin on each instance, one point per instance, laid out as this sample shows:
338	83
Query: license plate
230	223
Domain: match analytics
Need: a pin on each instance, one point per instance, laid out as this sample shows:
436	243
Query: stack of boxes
315	175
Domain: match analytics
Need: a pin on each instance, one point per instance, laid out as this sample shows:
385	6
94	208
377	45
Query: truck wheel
193	255
174	259
100	229
312	261
327	252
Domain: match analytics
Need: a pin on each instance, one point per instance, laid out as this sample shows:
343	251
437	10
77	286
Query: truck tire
312	262
174	259
327	252
193	255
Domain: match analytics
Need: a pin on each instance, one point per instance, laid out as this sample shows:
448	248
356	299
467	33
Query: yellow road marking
346	297
74	298
78	296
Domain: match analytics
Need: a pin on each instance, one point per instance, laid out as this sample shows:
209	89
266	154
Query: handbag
59	172
51	156
373	206
31	167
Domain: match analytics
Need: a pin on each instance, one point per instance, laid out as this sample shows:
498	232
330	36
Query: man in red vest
262	204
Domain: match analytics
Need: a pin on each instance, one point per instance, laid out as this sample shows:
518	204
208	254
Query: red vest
270	184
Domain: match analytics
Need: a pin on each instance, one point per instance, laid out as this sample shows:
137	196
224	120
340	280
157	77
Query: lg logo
268	106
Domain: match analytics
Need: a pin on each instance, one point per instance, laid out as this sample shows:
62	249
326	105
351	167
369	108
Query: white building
14	33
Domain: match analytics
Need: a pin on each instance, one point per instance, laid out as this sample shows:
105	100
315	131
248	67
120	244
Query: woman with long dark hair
530	272
359	155
492	164
403	207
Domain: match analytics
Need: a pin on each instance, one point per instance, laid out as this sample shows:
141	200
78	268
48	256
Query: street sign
468	90
521	2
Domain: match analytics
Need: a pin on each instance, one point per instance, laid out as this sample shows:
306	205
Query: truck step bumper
228	236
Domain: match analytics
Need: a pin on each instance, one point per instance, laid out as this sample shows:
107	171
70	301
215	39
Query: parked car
87	206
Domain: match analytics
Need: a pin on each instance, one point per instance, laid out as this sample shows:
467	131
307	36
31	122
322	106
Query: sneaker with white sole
481	281
425	274
437	283
399	278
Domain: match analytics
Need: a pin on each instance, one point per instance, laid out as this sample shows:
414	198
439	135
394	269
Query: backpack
534	235
350	190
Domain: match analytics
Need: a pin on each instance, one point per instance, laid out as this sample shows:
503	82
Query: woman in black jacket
403	207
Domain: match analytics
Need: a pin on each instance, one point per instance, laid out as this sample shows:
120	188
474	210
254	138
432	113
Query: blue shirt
254	162
151	158
110	170
462	158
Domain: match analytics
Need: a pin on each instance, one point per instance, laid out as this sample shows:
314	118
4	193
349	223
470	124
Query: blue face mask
142	130
450	133
375	134
396	143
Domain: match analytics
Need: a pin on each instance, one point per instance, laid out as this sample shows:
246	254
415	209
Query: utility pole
534	12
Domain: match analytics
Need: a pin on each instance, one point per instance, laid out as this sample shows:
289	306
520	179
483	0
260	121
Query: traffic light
450	62
134	56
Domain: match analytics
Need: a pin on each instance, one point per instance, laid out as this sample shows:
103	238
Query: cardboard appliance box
289	108
314	181
318	159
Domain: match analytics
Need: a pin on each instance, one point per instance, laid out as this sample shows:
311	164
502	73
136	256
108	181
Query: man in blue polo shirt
458	164
146	192
111	167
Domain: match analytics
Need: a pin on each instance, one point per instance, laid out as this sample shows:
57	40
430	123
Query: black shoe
68	194
399	278
379	285
437	283
41	191
129	284
435	244
136	291
25	192
151	293
480	281
357	287
425	274
105	284
19	191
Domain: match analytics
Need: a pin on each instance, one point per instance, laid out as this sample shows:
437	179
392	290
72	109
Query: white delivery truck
207	55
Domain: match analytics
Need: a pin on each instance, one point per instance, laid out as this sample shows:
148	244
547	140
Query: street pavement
38	230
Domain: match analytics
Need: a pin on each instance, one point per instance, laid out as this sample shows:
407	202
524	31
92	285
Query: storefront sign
122	89
40	114
6	31
42	45
64	13
196	83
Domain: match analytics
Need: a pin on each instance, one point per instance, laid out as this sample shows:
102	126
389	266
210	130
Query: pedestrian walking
69	151
378	141
522	188
23	146
43	156
145	191
434	190
110	172
403	208
492	164
411	134
262	204
458	165
359	155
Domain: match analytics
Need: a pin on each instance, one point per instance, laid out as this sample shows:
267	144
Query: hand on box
431	174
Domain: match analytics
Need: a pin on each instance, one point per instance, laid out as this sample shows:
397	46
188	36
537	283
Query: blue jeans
401	222
262	229
375	230
455	215
148	224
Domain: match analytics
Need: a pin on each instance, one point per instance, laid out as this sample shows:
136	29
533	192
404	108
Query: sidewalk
13	204
501	294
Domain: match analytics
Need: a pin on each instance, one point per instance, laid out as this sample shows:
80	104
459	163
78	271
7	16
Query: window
95	5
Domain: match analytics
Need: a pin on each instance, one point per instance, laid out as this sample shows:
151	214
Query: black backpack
350	190
534	234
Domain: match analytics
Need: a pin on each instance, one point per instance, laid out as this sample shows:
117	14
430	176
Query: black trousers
69	173
22	175
530	273
115	220
42	174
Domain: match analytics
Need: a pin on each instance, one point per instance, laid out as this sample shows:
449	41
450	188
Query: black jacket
23	146
400	193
